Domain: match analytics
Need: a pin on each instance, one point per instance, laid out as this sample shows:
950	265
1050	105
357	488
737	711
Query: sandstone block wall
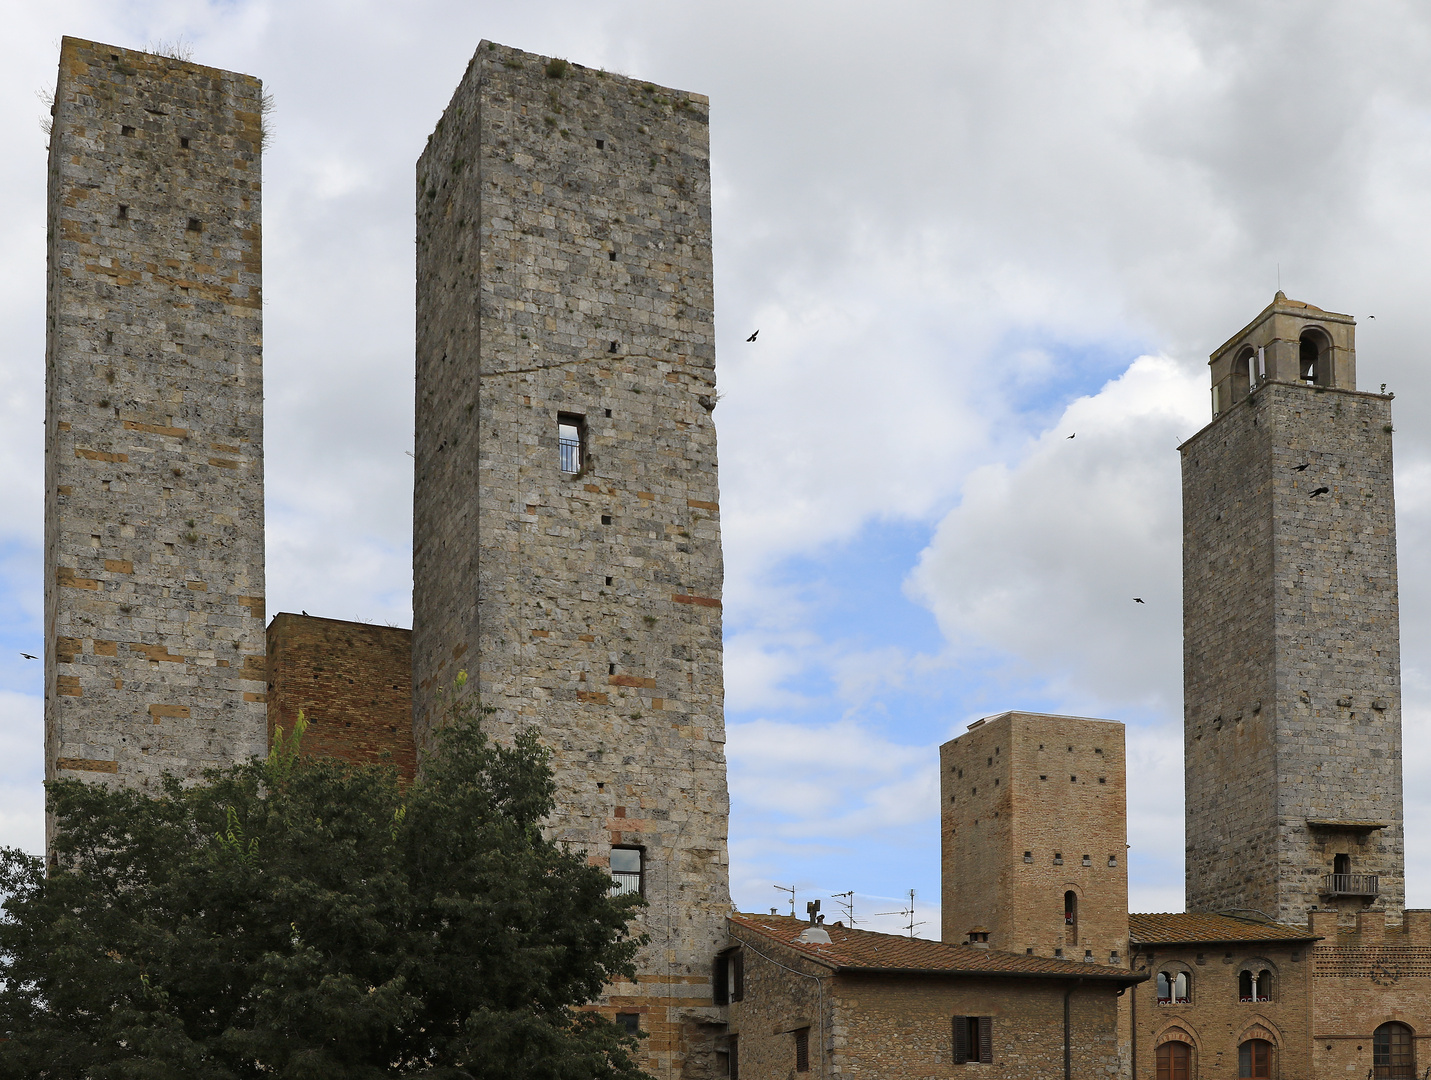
154	577
1215	1022
1054	787
353	684
564	273
1291	652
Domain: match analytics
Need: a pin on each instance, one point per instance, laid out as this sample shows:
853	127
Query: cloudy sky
965	230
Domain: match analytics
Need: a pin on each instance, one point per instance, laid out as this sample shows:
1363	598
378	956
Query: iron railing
570	453
1351	885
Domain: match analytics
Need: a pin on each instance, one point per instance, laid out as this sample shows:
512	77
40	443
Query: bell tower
1291	643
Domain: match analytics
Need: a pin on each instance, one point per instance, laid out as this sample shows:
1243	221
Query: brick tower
154	655
1034	836
1291	650
566	514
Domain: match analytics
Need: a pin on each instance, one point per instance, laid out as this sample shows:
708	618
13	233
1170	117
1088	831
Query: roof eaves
1125	977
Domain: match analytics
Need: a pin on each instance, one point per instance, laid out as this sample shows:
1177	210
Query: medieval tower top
1291	642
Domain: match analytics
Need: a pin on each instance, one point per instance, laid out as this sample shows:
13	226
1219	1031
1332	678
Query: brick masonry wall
154	576
352	682
564	266
1291	650
1215	1022
1012	784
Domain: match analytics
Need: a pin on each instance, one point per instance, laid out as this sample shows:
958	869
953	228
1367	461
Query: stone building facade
1033	812
1292	662
154	560
567	507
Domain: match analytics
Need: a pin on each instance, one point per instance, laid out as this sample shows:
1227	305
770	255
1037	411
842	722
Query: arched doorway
1393	1052
1175	1061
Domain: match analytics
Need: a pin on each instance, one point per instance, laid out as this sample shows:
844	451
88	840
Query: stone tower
1034	836
154	581
1291	650
566	509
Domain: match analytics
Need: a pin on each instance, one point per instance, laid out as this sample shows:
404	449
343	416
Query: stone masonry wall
564	268
1291	651
352	682
154	577
1052	786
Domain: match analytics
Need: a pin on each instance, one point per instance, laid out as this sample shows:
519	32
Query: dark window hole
184	142
611	255
611	669
608	412
601	144
606	519
611	347
195	225
608	581
123	212
125	129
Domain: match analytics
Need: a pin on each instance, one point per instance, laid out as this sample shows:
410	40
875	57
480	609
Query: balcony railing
1351	885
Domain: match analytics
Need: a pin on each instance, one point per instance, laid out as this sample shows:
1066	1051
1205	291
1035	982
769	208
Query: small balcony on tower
1367	885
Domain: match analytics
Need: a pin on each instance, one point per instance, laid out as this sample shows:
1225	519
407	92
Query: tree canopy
304	918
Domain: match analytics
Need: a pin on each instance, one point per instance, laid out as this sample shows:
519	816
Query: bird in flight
753	336
1302	467
1075	433
27	656
1139	600
1319	491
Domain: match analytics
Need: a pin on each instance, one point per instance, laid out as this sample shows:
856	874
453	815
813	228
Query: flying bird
27	656
1075	433
1302	467
752	336
1138	600
1319	491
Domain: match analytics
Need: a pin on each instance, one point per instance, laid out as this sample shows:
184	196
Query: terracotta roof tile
852	950
1170	929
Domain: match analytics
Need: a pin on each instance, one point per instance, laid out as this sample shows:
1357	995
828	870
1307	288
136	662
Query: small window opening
571	442
195	225
123	212
125	129
630	1023
611	669
1058	954
802	1050
184	142
1028	856
1113	956
606	519
1043	777
1112	860
608	579
627	871
1070	916
1073	779
1103	779
1087	861
1058	858
1088	957
611	347
1341	864
601	144
611	255
1313	360
608	412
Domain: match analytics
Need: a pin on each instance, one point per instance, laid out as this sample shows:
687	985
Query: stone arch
1178	1032
1314	356
1174	968
1244	373
1259	968
1260	1027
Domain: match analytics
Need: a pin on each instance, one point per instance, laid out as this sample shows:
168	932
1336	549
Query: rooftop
853	951
1175	928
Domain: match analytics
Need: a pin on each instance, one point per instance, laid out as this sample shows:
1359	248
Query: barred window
571	442
627	866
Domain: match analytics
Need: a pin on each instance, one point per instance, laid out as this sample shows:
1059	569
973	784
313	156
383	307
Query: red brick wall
353	682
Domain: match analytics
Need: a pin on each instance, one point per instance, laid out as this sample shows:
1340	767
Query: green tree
300	917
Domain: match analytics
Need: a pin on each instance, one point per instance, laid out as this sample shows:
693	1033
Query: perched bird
27	656
305	613
1319	491
752	336
1138	600
1302	467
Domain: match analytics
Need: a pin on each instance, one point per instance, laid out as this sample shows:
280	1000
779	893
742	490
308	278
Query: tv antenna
791	890
906	913
848	903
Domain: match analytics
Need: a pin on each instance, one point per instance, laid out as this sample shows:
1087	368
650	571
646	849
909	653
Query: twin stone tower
566	511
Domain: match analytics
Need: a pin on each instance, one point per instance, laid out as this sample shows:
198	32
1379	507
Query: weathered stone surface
564	270
154	578
1291	650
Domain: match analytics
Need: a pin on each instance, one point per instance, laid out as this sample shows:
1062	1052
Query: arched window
1070	917
1314	359
1244	373
1254	985
1173	988
1175	1061
1341	864
1393	1053
1254	1060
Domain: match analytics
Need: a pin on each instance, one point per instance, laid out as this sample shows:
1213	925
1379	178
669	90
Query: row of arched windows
1314	368
1175	987
1393	1057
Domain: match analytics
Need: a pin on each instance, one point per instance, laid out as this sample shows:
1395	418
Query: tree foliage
304	918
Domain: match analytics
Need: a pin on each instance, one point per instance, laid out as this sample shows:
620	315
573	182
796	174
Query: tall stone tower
567	550
1034	836
1291	649
154	581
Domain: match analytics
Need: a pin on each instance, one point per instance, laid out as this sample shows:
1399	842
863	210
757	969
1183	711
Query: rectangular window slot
571	442
630	1023
1112	860
611	347
183	142
1087	861
606	519
123	211
611	255
1058	858
195	225
125	129
611	669
609	580
608	412
1073	779
627	865
1028	856
601	144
